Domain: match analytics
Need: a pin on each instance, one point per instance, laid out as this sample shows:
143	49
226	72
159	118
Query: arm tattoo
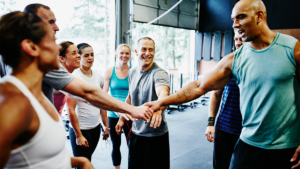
184	97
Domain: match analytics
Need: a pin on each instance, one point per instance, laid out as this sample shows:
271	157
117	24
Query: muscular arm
14	120
103	113
216	79
101	99
162	91
214	103
297	58
128	101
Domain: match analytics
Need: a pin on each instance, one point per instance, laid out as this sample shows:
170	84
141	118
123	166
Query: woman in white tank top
85	119
32	135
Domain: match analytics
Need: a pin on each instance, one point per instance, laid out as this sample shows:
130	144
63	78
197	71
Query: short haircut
14	28
143	38
34	7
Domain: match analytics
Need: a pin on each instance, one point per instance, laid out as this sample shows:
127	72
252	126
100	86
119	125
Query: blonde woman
116	79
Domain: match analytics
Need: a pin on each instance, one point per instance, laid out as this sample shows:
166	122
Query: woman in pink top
70	59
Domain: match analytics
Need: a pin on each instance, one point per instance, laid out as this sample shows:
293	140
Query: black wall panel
283	14
228	42
217	45
207	46
215	15
198	46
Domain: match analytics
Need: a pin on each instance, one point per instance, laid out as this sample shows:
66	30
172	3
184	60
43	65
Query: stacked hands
149	112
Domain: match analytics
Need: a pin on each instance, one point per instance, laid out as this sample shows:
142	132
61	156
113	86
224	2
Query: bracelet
211	121
106	128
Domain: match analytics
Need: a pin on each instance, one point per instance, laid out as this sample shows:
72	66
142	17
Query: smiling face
71	60
87	57
123	55
145	53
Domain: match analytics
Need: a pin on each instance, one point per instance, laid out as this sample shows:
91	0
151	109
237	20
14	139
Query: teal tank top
269	94
118	89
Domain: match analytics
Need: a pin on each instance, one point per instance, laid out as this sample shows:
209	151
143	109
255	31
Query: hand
106	134
81	162
82	141
210	133
127	117
156	119
156	105
295	157
119	127
142	112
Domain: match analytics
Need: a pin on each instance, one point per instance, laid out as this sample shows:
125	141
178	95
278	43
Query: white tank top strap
35	104
47	147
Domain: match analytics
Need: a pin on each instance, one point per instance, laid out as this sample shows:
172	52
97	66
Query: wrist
106	128
211	121
78	135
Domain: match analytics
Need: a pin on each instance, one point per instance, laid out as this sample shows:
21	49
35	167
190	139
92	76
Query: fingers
295	156
207	136
296	166
119	129
125	117
86	143
131	118
153	121
158	122
212	137
144	118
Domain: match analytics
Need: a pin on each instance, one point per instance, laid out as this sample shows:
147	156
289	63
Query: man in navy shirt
229	123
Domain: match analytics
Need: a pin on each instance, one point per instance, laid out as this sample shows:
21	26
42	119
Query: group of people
258	124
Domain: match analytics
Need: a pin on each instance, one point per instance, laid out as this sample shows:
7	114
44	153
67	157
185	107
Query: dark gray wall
215	15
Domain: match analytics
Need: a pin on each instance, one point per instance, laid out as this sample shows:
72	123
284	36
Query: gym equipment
179	107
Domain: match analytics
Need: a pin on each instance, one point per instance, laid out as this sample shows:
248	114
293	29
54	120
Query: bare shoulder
226	61
12	98
108	73
15	109
297	53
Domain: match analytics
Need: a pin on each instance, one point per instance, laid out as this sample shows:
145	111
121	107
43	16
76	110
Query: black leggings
92	136
116	139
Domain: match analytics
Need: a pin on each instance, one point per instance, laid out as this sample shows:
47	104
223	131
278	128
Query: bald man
267	71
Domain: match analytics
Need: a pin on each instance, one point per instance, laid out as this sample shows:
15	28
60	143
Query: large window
79	21
174	50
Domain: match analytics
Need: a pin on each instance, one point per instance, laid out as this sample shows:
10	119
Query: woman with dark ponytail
85	119
31	133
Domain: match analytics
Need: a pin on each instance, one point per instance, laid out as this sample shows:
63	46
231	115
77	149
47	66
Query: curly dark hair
14	28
